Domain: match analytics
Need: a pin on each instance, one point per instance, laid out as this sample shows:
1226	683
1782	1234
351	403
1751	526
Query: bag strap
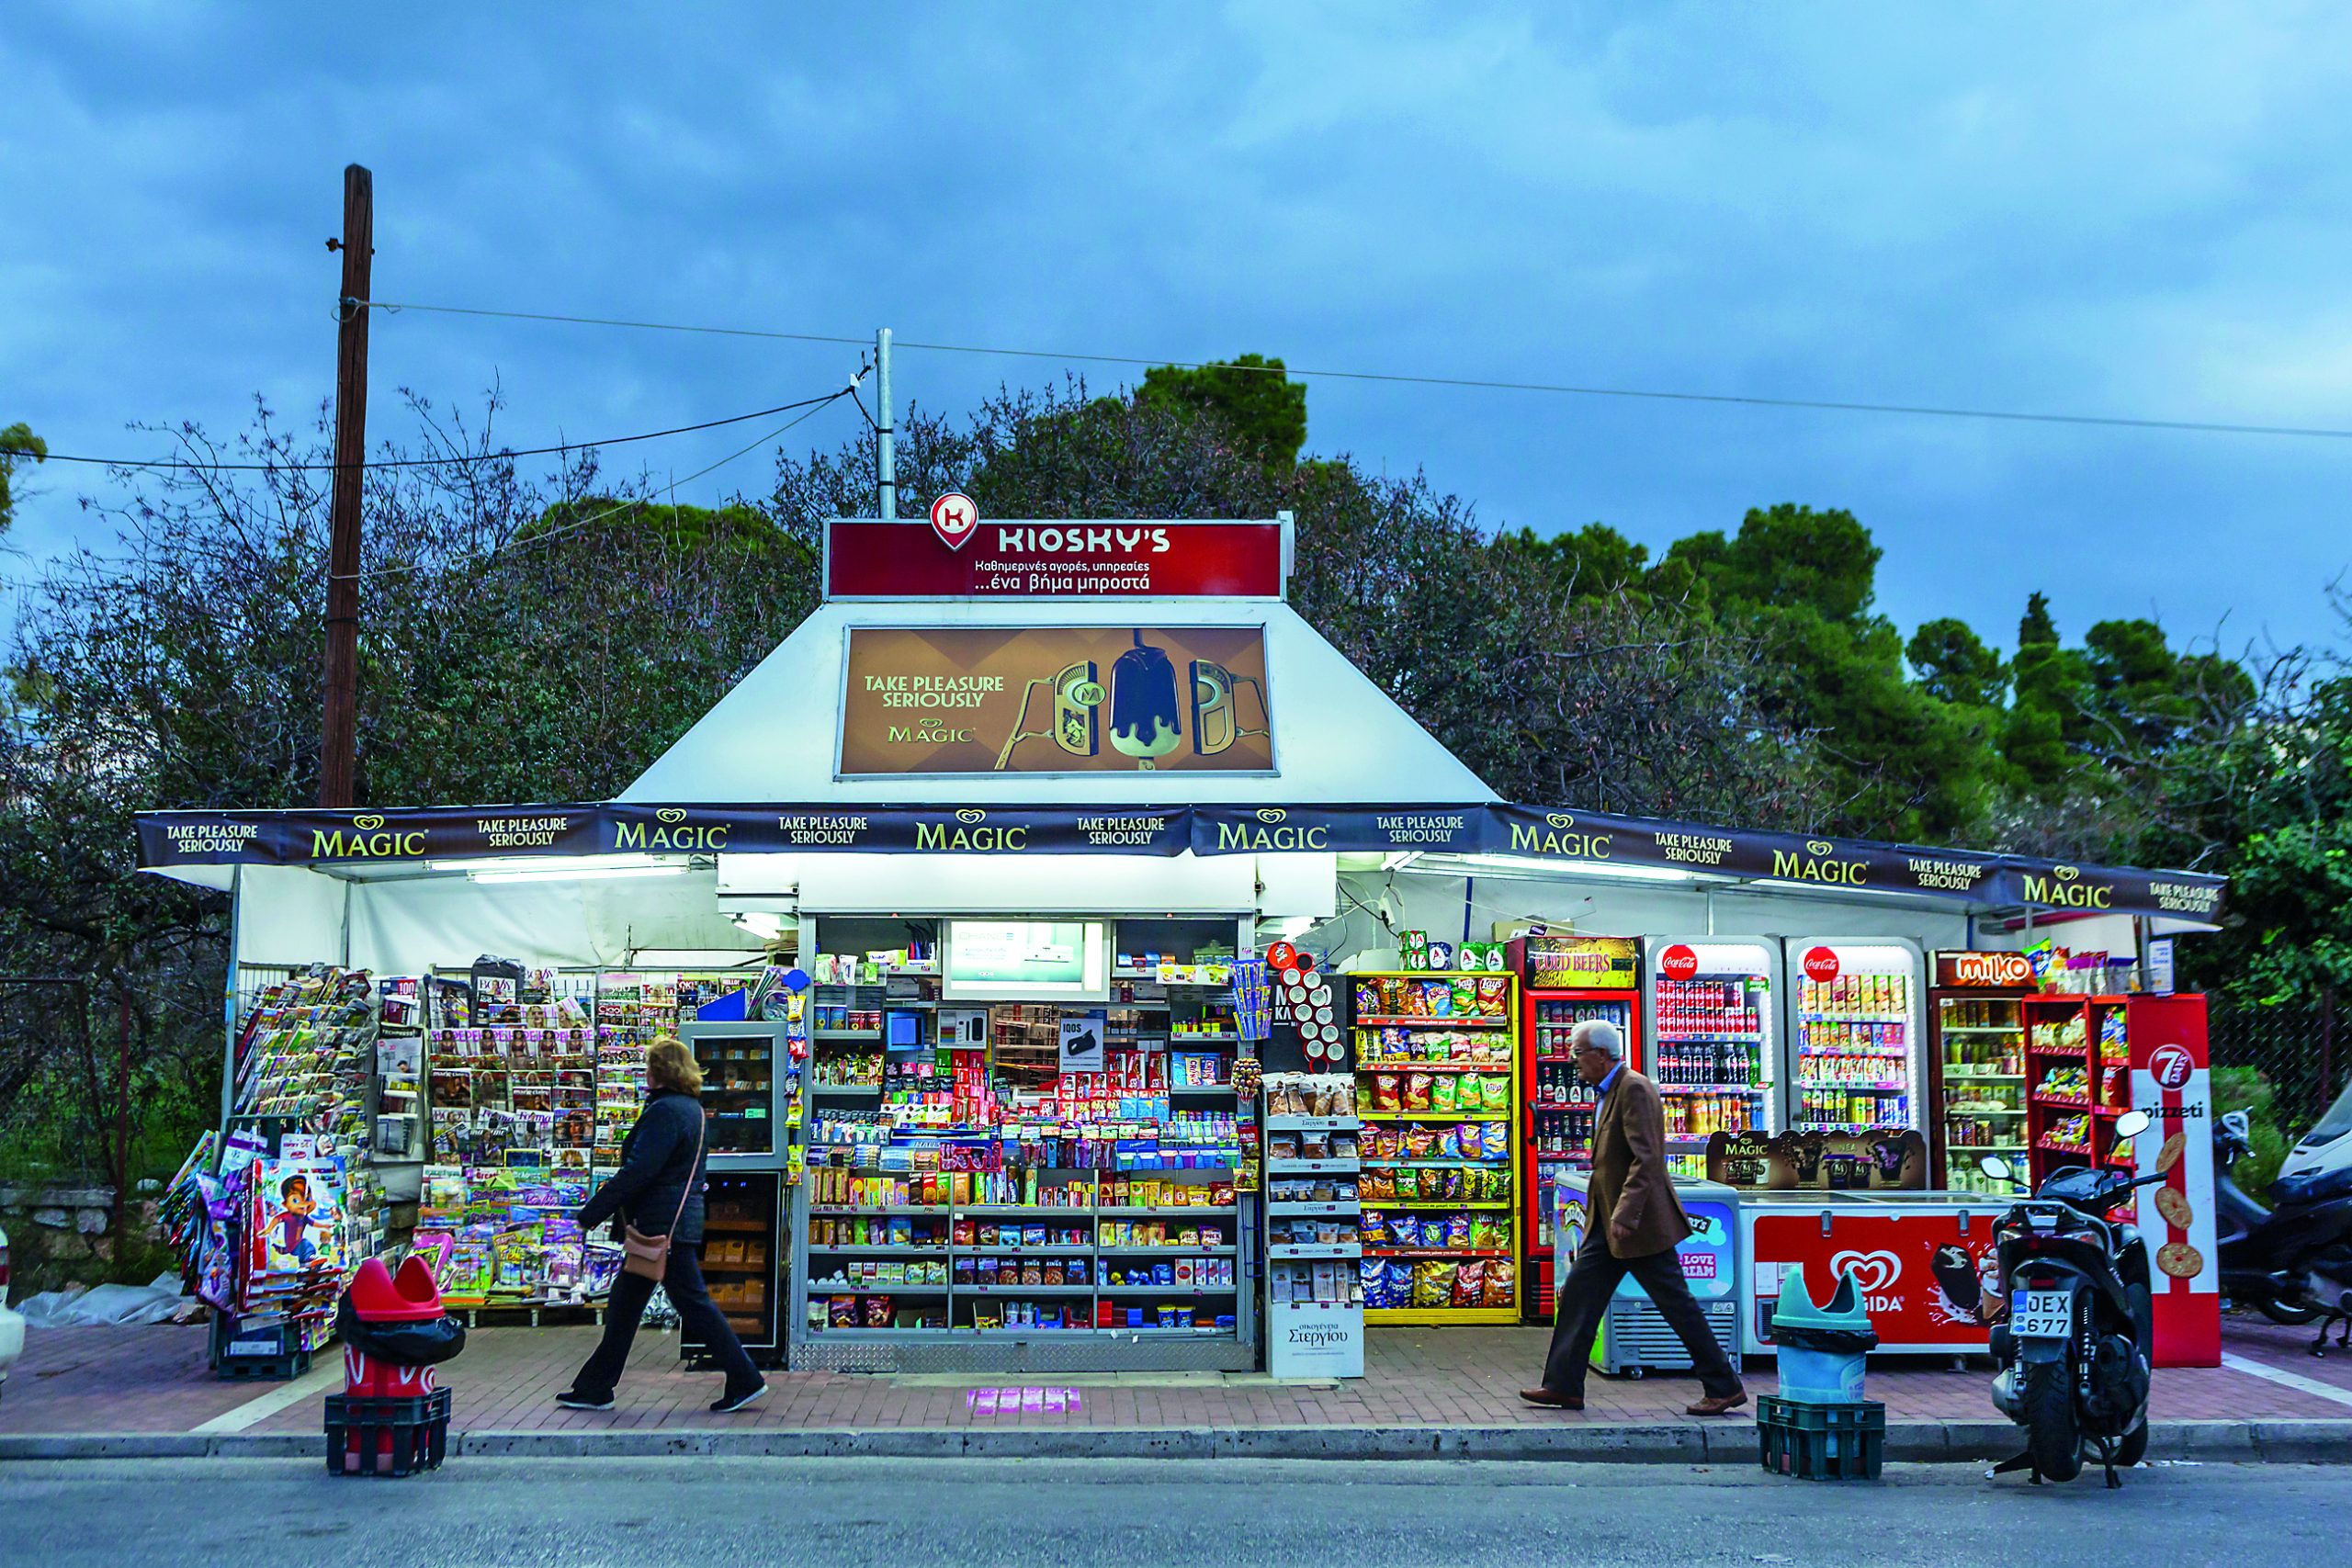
702	1125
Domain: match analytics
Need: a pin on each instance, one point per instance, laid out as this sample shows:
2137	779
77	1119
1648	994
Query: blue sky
2119	210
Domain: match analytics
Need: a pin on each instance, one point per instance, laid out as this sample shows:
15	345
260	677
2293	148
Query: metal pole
885	455
338	738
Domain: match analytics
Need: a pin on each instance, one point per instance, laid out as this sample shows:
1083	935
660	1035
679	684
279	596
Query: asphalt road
908	1514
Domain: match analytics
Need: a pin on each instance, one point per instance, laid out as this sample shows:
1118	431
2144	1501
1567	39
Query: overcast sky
2129	210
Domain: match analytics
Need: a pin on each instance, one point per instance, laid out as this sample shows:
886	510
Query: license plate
2041	1314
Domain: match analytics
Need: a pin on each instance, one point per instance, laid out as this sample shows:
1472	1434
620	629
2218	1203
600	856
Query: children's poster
298	1216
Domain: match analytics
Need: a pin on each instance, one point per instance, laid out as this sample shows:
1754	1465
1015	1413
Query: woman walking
658	1194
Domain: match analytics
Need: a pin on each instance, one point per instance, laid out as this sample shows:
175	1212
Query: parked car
12	1326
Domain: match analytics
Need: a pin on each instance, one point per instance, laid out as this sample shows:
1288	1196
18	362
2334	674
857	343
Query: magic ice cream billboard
937	701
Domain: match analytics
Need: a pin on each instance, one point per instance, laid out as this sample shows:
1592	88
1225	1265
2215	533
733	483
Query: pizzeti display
947	701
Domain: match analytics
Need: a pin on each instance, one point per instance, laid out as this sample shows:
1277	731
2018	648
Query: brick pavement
154	1380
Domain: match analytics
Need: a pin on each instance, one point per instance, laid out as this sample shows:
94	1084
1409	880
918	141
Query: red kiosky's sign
958	556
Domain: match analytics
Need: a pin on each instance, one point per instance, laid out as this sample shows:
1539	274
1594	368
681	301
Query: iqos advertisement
945	701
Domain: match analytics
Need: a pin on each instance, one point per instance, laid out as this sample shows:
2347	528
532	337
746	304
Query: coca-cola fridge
1857	1035
1715	1040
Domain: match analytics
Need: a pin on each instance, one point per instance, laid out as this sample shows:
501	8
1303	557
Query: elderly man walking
1633	1223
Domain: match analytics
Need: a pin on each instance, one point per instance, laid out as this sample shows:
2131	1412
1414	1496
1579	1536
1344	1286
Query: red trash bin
377	1297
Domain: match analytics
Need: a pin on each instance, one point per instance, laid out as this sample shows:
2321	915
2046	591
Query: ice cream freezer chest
1635	1338
1919	1259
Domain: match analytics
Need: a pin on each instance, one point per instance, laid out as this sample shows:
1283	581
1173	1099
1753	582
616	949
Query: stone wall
57	1234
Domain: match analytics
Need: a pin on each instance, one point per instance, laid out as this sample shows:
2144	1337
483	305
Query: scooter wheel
2289	1316
2052	1437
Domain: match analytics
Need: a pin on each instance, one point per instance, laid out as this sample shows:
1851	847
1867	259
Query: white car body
12	1326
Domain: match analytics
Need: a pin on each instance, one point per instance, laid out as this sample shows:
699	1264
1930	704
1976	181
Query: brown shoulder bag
647	1256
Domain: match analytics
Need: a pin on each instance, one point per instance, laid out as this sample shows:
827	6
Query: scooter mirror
1994	1166
2132	1124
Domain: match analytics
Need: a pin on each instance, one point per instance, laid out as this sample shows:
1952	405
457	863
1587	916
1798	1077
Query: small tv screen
1011	960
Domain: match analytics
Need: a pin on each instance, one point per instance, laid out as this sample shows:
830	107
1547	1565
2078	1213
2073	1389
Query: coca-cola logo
1678	962
2170	1065
1820	964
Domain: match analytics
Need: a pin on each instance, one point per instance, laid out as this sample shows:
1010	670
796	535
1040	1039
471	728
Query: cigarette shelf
1002	1289
917	1249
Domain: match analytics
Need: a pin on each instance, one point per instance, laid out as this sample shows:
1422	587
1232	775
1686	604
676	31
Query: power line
425	462
808	412
2217	427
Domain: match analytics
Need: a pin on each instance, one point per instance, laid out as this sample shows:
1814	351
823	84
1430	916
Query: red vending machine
1565	980
1976	1066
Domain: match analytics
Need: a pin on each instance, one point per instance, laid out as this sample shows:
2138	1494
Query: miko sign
955	518
962	556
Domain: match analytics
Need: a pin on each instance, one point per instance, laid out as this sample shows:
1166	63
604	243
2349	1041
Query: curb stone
2274	1442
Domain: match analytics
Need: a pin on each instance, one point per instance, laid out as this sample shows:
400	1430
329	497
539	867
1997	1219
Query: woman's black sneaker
577	1401
734	1402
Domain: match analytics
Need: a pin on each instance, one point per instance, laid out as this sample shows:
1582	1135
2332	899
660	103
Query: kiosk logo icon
2170	1065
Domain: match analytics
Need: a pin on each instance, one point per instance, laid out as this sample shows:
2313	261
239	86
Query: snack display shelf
1156	1249
1000	1289
1433	1116
1407	1065
1194	1290
911	1248
1983	1028
867	1035
840	1289
1439	1317
816	1087
1311	1167
1441	1207
1312	1123
1177	1212
1300	1211
1013	1210
854	1209
1436	1252
1310	1249
1373	1021
1429	1164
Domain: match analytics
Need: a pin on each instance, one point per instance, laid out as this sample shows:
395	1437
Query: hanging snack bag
1502	1283
1432	1282
1469	1283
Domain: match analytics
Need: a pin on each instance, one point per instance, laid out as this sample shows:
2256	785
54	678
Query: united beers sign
947	701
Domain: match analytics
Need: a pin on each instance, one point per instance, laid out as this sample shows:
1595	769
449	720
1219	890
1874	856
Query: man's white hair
1597	1035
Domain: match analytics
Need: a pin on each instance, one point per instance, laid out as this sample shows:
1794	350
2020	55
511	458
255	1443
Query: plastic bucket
1820	1377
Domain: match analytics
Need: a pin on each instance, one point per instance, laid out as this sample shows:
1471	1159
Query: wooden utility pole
338	735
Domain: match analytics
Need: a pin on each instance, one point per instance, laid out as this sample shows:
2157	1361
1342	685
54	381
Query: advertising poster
1081	1040
949	700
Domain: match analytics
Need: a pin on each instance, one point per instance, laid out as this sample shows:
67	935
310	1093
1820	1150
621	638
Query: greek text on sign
959	556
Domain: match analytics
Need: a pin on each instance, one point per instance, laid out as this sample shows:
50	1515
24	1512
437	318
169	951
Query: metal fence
2298	1049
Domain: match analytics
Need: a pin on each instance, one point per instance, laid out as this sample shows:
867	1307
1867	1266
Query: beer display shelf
1443	1171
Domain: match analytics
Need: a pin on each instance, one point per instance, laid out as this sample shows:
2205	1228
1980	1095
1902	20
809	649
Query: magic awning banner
170	841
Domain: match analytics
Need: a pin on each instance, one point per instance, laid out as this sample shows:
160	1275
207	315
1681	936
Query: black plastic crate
387	1436
238	1355
1821	1442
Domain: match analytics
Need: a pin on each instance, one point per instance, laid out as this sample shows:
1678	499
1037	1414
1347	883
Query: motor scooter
2292	1261
2073	1317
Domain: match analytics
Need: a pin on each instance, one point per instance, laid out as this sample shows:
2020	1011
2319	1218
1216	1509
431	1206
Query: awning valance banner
170	841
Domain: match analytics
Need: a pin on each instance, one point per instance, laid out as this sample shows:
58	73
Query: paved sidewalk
92	1381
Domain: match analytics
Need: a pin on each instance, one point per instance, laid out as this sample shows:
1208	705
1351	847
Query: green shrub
2246	1090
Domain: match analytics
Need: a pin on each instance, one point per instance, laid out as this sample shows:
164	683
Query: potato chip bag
1432	1282
1462	997
1445	1090
1457	1231
1469	1283
1502	1283
1416	1090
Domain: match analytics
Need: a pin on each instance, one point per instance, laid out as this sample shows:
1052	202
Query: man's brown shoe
1556	1401
1718	1403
